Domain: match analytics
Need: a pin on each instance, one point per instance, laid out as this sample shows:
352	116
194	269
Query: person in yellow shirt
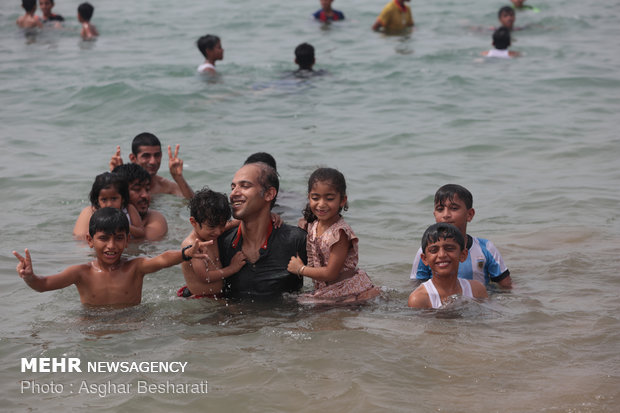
395	17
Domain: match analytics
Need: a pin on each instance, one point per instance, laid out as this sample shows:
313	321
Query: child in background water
211	48
85	13
109	190
332	245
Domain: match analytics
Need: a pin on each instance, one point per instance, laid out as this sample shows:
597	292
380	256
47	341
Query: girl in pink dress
332	245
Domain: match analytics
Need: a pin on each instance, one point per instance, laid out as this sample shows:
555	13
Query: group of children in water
450	261
30	20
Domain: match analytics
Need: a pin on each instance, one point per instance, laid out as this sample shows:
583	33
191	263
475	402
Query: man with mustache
139	182
267	250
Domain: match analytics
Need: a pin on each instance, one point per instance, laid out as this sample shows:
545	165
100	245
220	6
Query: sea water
535	139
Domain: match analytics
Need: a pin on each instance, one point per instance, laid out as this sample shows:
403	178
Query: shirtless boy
29	20
109	279
444	249
139	181
85	13
209	214
146	152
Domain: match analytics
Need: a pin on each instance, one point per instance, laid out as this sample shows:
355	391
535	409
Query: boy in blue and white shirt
453	205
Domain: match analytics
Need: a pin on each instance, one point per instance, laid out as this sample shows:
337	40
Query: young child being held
444	249
326	13
209	215
484	263
29	20
211	48
109	190
331	245
501	42
109	279
85	13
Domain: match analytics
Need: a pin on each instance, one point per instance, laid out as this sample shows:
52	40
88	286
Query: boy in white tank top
443	249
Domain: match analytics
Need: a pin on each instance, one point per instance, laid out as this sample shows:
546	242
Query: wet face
108	247
444	257
46	7
140	196
454	211
325	202
207	232
507	20
109	197
247	197
148	157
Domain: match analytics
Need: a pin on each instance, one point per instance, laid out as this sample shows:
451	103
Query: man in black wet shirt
267	249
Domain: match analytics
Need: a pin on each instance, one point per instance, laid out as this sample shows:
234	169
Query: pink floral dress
318	249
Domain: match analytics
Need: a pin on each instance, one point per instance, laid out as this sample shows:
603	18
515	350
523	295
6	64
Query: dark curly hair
210	207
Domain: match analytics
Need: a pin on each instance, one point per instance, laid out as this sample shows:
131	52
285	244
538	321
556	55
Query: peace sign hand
116	159
175	164
24	268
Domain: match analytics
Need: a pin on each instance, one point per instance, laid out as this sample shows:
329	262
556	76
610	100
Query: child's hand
196	249
175	164
238	261
295	264
276	219
24	268
116	159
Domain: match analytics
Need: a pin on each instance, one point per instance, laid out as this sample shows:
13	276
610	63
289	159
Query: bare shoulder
164	186
154	217
478	289
419	298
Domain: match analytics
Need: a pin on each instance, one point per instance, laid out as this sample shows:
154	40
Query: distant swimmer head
304	56
506	16
85	11
262	157
211	47
501	38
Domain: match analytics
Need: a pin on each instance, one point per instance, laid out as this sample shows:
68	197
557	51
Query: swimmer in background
49	17
109	190
108	280
29	20
501	42
304	58
146	152
521	6
395	17
326	13
84	14
506	17
209	215
211	48
444	249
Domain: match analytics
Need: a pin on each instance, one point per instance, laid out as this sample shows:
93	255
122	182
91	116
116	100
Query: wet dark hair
105	181
210	207
333	178
304	56
501	38
443	231
448	191
131	172
262	157
505	10
268	178
28	5
144	139
108	220
207	42
86	10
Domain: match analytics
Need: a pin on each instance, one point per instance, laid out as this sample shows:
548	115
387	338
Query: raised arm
116	159
170	258
175	164
69	276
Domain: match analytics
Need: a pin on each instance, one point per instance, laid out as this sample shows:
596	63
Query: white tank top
434	297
